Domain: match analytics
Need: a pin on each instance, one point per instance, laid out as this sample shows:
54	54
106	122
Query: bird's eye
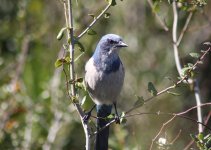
111	41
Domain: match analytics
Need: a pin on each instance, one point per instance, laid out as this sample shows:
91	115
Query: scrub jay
104	79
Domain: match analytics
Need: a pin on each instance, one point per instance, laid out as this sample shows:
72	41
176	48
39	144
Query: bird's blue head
109	44
106	54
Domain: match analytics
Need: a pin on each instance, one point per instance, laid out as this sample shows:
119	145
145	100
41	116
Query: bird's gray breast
104	85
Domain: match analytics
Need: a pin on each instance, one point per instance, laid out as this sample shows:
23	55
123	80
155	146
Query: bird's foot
86	117
117	119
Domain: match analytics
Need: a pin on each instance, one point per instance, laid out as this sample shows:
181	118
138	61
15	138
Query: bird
104	78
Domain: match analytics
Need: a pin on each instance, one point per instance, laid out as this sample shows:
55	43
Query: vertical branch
198	103
174	36
162	23
177	60
71	47
86	126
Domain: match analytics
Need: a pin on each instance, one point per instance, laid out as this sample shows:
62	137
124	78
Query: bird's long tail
102	137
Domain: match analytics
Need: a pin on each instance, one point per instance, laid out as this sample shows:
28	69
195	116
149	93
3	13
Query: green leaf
195	55
91	32
111	116
61	33
111	2
92	15
107	15
139	102
67	59
87	102
190	65
156	7
61	61
184	71
58	63
79	46
200	136
173	93
152	89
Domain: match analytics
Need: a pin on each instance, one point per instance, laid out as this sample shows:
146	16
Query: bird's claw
86	117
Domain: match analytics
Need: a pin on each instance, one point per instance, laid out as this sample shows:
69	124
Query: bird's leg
88	114
117	119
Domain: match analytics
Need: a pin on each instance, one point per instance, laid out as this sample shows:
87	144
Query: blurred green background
35	112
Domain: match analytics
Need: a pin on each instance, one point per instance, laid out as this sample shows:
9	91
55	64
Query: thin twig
177	83
94	21
181	115
184	28
162	23
172	142
205	122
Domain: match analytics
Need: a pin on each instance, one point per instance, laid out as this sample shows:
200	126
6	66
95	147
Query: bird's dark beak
122	44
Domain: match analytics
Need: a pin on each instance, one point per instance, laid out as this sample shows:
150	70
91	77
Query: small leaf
152	89
67	59
111	116
200	136
107	15
91	32
80	46
194	55
184	71
139	102
190	65
61	33
61	61
111	2
156	7
58	63
173	93
87	102
92	15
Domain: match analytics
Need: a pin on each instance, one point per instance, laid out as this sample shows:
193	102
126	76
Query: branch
94	21
198	102
184	28
205	122
174	36
184	78
180	115
162	23
177	60
70	31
